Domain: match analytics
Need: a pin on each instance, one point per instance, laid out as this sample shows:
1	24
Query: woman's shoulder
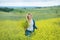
33	20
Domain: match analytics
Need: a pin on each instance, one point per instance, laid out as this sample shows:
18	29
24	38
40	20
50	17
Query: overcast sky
29	3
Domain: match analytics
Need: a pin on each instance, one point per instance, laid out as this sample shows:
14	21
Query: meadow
47	21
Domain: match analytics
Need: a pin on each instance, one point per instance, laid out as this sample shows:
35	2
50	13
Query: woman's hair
27	16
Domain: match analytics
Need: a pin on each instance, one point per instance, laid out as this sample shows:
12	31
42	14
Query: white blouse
30	27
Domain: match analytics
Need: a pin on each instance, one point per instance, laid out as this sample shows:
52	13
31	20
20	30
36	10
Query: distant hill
37	12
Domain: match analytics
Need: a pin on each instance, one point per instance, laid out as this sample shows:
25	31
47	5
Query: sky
38	3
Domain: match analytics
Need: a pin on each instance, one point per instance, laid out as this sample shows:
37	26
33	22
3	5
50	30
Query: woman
31	25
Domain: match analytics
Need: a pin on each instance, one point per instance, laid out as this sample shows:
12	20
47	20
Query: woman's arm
34	25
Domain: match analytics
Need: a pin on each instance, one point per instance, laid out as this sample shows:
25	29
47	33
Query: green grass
38	13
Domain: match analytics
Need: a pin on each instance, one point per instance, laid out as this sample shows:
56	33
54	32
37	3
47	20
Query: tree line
6	9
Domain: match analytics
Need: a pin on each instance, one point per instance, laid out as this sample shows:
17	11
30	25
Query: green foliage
5	9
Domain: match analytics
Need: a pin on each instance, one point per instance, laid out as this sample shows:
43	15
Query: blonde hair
28	14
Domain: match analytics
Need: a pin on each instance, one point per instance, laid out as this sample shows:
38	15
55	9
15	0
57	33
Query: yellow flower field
48	29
